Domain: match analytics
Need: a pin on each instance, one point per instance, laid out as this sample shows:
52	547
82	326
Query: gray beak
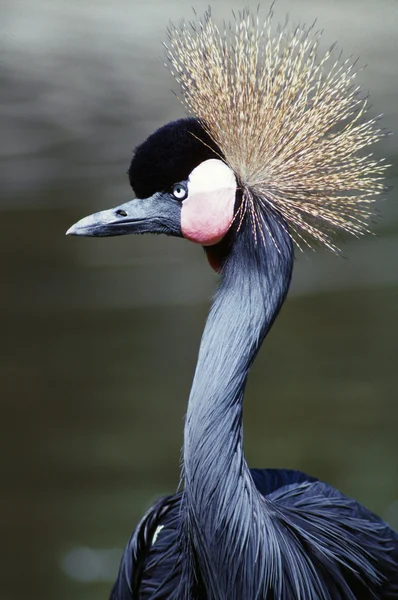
160	213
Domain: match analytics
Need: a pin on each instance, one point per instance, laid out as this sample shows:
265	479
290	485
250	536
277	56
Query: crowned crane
271	154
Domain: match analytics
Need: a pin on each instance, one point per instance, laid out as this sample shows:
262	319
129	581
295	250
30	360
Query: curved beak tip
85	227
71	230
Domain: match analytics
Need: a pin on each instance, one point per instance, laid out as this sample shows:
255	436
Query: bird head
183	188
278	131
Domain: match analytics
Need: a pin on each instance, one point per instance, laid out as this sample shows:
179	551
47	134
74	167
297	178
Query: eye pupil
121	213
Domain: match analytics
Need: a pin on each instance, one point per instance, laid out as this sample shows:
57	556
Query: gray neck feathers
221	499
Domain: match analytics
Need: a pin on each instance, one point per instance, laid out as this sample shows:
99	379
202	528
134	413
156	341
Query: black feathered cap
169	155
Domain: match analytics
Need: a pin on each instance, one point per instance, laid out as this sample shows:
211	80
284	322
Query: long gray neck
219	490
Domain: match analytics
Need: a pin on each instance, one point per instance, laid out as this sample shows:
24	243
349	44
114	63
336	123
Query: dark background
99	337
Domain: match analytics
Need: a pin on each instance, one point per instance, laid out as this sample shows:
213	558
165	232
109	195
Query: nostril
121	213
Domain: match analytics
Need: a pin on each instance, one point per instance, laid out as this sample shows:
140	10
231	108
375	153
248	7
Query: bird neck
255	280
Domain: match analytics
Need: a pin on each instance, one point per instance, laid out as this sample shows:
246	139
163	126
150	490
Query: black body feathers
330	540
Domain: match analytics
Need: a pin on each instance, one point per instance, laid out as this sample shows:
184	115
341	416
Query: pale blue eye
179	191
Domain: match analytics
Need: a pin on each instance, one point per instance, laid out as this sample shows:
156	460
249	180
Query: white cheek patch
208	211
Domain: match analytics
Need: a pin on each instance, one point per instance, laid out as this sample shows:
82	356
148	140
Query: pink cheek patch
205	219
207	213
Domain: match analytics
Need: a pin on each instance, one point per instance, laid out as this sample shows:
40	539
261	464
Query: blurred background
100	336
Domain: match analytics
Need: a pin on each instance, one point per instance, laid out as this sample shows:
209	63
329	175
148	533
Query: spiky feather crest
289	122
